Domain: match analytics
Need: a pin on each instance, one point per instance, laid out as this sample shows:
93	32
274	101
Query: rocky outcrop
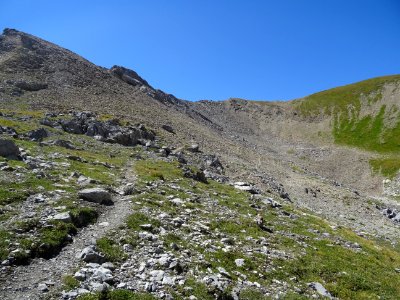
127	75
109	131
30	86
38	134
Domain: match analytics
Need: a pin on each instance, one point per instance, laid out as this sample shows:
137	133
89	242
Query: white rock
63	217
157	274
239	262
167	280
80	275
319	288
164	260
43	287
177	201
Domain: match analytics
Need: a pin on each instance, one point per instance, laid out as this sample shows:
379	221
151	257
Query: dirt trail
22	282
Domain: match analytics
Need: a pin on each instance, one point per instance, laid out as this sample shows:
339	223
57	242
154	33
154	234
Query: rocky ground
94	208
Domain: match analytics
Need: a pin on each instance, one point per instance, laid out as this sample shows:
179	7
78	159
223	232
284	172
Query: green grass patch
252	294
54	238
387	167
338	99
111	250
150	170
344	105
4	238
83	216
16	191
347	274
117	295
136	219
19	126
70	283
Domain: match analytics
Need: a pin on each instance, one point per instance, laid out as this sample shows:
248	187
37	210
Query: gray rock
214	162
80	275
157	275
239	262
228	241
63	217
50	123
82	291
9	150
9	131
103	275
164	260
108	265
193	148
38	134
177	201
168	280
90	255
129	190
43	287
146	226
99	287
319	288
243	186
272	203
69	295
64	144
168	128
97	195
174	246
127	75
127	247
223	272
30	86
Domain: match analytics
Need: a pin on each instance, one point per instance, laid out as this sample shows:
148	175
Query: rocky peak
127	75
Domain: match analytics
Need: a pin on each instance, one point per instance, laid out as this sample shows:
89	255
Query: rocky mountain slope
112	189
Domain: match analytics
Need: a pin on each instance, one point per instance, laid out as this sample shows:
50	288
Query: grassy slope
319	251
349	128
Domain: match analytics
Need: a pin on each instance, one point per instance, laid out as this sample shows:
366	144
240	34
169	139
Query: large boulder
63	217
73	126
90	255
96	195
9	150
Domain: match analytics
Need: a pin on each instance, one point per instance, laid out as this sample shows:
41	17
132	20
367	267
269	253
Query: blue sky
209	49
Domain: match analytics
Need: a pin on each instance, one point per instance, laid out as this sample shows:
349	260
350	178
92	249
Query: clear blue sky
216	49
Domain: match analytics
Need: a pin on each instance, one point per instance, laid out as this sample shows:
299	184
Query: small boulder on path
96	195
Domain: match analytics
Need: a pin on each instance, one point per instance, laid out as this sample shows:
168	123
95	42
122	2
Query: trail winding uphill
33	280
